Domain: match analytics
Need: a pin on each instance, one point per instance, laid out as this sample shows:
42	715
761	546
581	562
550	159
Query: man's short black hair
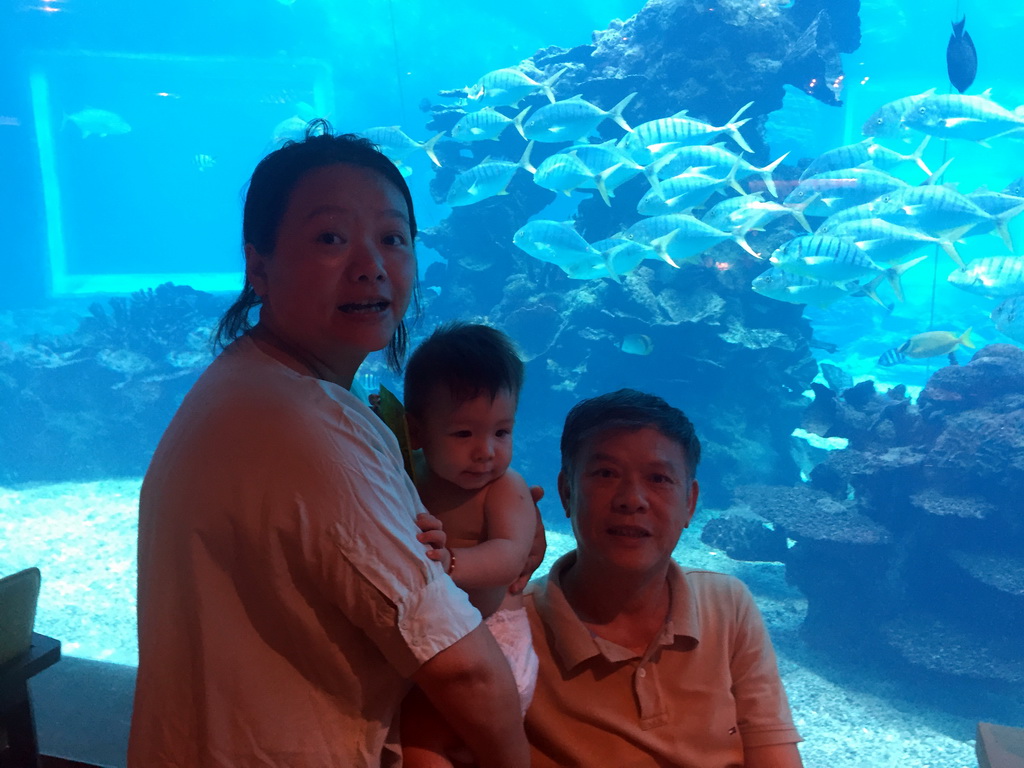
626	409
468	359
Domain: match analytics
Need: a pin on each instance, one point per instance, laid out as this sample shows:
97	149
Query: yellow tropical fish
929	344
935	343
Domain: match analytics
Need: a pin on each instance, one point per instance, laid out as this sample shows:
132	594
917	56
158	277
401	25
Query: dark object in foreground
961	57
1000	746
16	718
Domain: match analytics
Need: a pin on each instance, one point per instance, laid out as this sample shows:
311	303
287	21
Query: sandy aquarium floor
83	538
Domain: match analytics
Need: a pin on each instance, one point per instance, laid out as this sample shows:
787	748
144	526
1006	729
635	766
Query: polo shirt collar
573	644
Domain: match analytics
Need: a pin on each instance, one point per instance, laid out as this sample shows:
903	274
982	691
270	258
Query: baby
461	391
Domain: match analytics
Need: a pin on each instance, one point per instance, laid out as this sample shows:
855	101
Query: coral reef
744	537
908	541
92	403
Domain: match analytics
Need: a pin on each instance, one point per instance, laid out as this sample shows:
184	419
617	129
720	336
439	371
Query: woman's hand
432	534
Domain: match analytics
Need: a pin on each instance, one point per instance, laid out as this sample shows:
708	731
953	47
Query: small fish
996	204
681	193
571	120
565	172
636	344
835	190
556	242
652	139
98	122
487	123
925	345
887	120
716	161
934	209
398	146
679	237
796	289
868	154
307	111
961	57
994	276
623	256
507	87
824	258
743	213
606	155
1008	317
888	243
290	129
1015	187
971	118
891	357
487	179
204	162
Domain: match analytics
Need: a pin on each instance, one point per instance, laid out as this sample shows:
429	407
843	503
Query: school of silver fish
863	226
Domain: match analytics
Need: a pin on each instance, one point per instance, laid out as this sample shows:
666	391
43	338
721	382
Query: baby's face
468	444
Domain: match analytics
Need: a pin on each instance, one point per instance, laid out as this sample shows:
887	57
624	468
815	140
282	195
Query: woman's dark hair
266	201
469	360
630	410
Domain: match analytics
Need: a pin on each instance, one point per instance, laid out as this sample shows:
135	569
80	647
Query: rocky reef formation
735	361
706	332
909	543
93	403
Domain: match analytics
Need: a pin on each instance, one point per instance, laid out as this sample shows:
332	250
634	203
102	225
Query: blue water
206	87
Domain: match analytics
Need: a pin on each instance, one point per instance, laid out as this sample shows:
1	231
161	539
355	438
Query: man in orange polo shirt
644	663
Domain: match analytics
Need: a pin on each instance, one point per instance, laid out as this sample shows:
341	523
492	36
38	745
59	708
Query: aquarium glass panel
797	220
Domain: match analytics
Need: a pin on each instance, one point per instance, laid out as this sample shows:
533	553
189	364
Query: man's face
629	499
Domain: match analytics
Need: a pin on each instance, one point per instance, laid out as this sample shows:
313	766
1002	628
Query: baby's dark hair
468	359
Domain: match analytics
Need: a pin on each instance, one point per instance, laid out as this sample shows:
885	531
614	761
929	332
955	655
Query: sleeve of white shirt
355	525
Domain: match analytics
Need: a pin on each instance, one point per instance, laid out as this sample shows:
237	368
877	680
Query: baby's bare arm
510	522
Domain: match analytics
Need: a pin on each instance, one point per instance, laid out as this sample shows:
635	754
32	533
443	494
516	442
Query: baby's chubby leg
427	738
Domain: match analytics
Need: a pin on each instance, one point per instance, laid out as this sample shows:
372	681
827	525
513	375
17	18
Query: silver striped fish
993	276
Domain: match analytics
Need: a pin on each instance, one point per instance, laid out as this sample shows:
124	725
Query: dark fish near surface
961	57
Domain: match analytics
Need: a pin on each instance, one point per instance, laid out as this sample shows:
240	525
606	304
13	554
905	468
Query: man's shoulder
712	582
536	593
